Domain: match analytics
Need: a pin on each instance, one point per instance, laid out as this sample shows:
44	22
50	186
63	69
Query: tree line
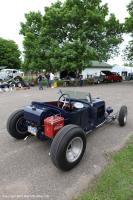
68	36
9	54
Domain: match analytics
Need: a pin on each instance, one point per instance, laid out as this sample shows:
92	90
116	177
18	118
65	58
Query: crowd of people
50	80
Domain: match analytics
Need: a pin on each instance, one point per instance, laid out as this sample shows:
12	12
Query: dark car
66	122
129	77
108	76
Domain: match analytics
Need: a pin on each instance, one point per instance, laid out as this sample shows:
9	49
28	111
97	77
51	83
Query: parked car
66	122
129	77
108	76
6	74
98	79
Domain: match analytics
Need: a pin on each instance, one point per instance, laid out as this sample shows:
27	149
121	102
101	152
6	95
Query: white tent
122	70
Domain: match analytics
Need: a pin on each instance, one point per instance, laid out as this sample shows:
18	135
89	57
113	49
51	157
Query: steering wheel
65	99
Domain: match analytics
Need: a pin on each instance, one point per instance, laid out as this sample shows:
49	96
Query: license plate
32	130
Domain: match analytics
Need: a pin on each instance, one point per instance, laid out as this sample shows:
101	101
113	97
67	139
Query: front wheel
68	147
122	117
16	125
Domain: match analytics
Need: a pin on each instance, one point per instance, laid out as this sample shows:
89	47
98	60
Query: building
95	69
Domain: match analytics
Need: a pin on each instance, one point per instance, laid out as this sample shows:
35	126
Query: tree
129	29
31	31
9	54
75	32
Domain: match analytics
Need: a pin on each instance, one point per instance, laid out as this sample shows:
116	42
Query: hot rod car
109	76
66	122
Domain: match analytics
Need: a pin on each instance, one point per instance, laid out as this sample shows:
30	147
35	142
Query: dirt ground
26	170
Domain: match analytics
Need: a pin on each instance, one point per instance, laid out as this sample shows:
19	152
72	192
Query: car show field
25	165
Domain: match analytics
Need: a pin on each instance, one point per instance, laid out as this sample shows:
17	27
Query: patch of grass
116	181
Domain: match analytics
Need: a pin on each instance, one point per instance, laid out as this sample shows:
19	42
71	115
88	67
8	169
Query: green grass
116	181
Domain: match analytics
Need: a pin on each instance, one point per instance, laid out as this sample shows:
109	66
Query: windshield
75	94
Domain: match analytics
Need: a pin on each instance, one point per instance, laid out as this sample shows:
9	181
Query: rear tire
68	147
16	125
122	118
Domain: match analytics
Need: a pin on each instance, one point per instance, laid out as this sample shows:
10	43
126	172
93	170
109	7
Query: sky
12	13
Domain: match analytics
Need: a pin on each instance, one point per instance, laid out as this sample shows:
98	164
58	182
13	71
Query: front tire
122	117
16	125
68	147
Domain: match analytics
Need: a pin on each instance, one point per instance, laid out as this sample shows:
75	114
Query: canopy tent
122	70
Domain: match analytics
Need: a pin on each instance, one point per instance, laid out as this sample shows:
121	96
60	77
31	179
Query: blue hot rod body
88	117
66	121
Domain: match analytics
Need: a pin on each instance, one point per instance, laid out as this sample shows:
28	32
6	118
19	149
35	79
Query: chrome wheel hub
74	149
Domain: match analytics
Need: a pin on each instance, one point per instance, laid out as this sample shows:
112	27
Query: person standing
52	77
40	82
47	79
81	80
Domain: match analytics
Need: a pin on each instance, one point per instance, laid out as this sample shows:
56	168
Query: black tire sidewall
122	114
60	159
11	125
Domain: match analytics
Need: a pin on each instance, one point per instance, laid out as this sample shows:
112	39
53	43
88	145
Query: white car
6	74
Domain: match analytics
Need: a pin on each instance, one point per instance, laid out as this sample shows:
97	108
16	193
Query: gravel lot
26	170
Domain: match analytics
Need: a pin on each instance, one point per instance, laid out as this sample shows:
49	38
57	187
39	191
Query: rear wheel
122	117
16	125
68	147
